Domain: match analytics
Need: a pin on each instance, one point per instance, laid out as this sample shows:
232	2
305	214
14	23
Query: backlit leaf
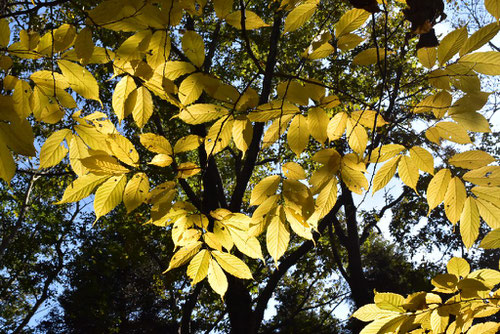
109	195
437	188
80	80
454	199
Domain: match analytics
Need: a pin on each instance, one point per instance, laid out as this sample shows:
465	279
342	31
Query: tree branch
243	177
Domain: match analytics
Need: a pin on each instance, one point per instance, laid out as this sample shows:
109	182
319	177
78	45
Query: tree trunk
239	308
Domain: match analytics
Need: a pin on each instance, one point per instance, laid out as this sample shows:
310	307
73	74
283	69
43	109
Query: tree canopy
257	143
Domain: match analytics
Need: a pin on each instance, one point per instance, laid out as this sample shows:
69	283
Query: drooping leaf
198	266
437	188
136	191
454	199
109	195
469	222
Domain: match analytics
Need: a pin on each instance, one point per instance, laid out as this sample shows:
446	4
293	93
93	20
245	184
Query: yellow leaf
84	46
21	95
252	20
369	57
216	278
480	38
120	94
156	143
298	223
318	120
187	143
436	189
385	174
484	176
293	171
453	132
487	62
123	149
298	134
408	172
183	255
19	137
349	41
493	7
367	118
103	164
136	191
327	198
489	327
450	44
191	88
469	222
82	187
458	267
198	267
423	159
337	126
201	113
354	180
52	151
140	103
472	121
160	49
187	169
274	109
489	212
80	80
371	312
491	194
77	151
161	160
300	15
242	134
439	321
7	164
4	33
320	52
351	21
277	237
389	301
356	135
264	189
454	199
274	131
223	8
294	92
249	246
232	265
109	195
176	69
385	152
427	57
193	47
219	135
471	159
491	240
